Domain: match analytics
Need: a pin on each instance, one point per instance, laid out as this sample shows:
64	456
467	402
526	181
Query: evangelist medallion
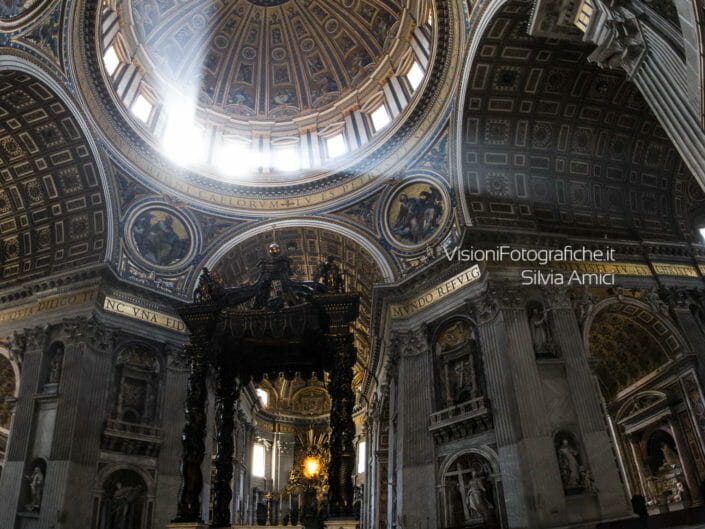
416	213
160	236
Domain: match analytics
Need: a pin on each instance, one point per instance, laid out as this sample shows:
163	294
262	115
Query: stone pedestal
341	523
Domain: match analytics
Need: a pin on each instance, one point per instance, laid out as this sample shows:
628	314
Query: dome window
142	108
258	459
415	75
336	146
286	159
111	60
380	118
361	456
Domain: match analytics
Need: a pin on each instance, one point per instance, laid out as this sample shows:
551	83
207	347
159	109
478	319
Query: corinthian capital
409	343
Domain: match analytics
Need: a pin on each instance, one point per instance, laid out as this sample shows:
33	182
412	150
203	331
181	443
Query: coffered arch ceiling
627	343
52	205
308	247
553	143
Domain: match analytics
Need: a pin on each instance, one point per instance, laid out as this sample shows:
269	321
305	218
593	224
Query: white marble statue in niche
35	483
476	497
541	334
575	475
56	364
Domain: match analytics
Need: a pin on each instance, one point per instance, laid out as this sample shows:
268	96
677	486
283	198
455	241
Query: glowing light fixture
415	75
312	467
111	60
702	233
380	118
336	146
142	108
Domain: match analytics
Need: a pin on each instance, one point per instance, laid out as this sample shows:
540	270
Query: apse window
380	118
263	397
702	233
111	60
415	75
361	456
142	108
336	146
258	458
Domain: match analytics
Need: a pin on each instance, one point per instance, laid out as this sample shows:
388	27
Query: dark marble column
342	450
226	392
192	437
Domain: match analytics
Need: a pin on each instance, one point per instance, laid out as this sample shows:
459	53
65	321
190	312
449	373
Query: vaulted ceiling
52	205
553	143
627	343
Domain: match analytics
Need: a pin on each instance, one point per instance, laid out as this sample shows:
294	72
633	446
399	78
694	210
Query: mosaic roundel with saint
160	236
416	213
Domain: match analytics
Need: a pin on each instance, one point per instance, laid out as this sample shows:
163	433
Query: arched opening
471	492
286	477
651	394
8	390
124	502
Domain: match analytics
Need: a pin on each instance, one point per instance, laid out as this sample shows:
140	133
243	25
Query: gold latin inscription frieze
431	296
271	204
49	304
667	269
168	321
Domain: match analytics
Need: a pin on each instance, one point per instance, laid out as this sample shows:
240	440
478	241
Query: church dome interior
265	91
352	264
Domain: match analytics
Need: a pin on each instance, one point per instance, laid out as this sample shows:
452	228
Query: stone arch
653	338
465	469
308	242
9	389
123	493
380	256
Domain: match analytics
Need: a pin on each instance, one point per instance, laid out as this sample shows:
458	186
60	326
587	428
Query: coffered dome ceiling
255	94
274	59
